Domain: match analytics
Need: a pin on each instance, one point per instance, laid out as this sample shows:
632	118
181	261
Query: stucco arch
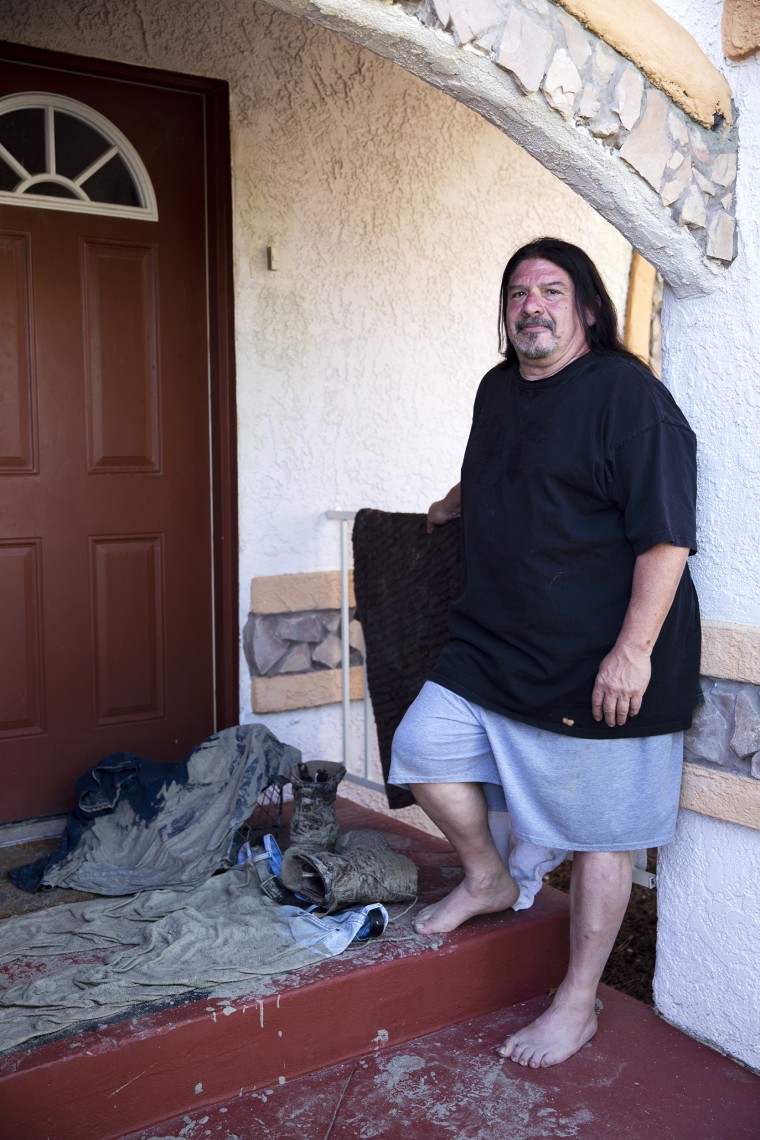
641	153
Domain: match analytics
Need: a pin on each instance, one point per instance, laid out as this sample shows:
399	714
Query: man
573	661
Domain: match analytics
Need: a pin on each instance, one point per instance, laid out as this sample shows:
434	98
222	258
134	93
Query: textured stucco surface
706	978
713	368
709	908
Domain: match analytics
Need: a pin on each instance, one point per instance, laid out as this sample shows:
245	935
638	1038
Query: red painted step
95	1085
638	1079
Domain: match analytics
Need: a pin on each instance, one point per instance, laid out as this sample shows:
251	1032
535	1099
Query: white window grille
58	154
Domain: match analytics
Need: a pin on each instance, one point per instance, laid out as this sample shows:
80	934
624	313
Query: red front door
106	550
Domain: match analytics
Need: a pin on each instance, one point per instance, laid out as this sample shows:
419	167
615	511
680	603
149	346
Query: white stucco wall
707	978
712	364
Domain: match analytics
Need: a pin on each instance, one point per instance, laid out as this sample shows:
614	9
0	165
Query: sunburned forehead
539	271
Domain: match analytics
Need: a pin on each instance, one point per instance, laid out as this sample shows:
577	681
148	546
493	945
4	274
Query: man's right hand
445	509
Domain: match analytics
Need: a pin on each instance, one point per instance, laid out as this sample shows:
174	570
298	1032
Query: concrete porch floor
395	1039
638	1079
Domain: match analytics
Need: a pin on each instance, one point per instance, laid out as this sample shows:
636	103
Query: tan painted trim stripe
741	28
721	795
293	593
731	652
667	54
304	690
638	309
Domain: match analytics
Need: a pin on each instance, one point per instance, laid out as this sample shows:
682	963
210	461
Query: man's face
542	320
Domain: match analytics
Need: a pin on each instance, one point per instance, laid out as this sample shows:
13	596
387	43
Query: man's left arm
625	672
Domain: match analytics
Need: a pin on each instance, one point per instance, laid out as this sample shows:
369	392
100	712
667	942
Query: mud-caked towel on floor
76	963
405	580
140	825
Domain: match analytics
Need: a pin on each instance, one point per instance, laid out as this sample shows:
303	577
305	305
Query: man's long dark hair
590	295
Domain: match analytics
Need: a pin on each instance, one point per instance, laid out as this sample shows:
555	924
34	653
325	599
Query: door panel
21	663
123	429
17	422
128	648
107	593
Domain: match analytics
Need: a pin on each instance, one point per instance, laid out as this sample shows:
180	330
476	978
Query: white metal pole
345	518
345	644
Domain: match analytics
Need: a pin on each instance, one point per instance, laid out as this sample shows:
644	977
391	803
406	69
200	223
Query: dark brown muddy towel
405	580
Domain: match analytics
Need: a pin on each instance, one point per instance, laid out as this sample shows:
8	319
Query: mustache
545	322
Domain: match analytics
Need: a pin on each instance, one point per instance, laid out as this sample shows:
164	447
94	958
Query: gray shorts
561	791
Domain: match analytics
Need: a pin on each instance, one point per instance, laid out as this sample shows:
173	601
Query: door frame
221	344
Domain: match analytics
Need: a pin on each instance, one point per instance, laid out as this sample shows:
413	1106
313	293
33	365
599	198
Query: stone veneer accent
726	729
679	142
722	749
292	642
663	50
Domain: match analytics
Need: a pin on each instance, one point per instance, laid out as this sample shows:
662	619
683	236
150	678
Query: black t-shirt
564	482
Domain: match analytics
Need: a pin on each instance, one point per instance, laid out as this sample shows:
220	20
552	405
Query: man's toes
527	1054
532	1056
421	920
518	1053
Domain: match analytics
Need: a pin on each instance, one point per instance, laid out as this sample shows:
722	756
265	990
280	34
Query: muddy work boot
313	826
362	869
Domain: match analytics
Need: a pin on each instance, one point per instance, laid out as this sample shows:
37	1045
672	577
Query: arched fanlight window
60	154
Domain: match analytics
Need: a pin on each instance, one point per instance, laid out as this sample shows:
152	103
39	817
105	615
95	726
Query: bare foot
465	901
557	1034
